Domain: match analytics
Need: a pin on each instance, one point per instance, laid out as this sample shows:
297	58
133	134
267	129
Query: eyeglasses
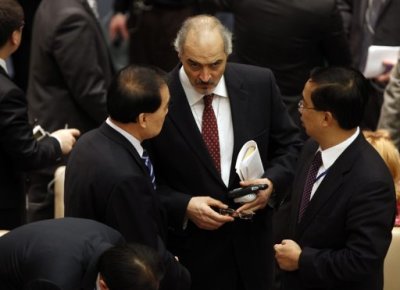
301	107
244	215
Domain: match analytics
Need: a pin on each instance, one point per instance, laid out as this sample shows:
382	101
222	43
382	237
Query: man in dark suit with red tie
194	176
109	177
343	201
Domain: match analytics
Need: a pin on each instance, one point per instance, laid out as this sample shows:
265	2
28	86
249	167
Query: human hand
262	195
384	77
287	254
118	26
67	138
200	212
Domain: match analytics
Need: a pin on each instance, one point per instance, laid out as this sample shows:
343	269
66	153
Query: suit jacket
346	230
106	180
70	67
19	152
64	252
386	30
183	164
288	37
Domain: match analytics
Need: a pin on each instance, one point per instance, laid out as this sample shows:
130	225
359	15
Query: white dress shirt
3	64
222	110
329	156
135	142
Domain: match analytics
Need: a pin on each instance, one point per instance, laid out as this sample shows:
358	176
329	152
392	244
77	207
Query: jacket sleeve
17	140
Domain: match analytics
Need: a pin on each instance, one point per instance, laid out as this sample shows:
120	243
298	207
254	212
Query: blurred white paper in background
376	55
248	163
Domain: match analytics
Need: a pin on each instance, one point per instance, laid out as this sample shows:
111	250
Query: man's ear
102	283
328	118
15	38
142	120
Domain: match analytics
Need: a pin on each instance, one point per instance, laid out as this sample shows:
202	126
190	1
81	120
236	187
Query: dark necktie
149	165
311	176
209	130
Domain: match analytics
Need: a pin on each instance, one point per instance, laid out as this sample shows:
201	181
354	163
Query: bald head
203	30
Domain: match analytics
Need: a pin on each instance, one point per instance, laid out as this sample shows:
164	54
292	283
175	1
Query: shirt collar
192	95
330	155
3	64
135	142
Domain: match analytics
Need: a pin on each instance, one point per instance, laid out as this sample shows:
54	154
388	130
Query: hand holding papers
248	166
376	56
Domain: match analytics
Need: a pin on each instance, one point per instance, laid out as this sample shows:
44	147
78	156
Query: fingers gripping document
248	166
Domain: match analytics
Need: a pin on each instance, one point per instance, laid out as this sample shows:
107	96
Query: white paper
249	166
376	55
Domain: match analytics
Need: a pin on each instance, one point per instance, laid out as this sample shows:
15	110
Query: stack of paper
248	164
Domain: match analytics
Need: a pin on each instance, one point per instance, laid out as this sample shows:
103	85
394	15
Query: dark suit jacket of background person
346	229
386	33
183	163
69	76
63	251
70	67
18	152
288	37
387	26
152	31
106	180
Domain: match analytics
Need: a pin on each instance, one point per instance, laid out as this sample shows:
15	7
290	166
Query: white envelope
248	163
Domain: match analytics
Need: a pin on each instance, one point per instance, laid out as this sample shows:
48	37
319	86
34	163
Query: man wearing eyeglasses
343	200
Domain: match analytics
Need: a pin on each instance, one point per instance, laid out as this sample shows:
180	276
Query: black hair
131	267
135	90
342	91
11	19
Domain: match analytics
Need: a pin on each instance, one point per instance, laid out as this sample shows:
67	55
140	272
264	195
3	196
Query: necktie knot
208	100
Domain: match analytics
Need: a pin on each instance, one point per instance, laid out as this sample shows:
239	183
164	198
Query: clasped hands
201	209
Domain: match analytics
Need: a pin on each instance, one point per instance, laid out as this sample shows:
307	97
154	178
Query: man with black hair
19	151
69	254
343	200
109	177
141	265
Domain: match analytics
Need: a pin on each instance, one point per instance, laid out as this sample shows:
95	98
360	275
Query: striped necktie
150	169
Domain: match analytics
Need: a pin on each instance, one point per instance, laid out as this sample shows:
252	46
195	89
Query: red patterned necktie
312	174
209	130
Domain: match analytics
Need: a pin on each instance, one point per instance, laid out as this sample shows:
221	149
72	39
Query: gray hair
203	23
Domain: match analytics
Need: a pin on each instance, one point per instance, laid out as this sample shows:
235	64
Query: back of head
342	91
131	267
381	141
135	90
201	25
11	19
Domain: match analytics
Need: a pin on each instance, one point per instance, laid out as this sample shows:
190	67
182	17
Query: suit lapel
238	98
3	72
118	138
384	6
330	184
180	114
